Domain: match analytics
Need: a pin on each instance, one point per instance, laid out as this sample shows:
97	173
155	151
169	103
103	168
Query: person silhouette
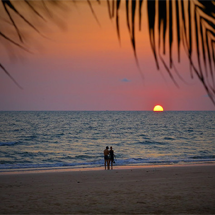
111	153
106	158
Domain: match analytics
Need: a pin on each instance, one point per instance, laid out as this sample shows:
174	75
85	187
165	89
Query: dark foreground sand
157	190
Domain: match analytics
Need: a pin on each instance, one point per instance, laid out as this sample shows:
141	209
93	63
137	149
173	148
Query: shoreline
79	169
181	189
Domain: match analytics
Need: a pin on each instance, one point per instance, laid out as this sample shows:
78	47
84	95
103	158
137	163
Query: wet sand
146	190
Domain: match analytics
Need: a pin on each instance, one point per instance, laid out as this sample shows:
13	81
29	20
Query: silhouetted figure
106	158
111	155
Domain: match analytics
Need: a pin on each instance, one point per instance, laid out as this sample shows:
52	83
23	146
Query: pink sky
86	68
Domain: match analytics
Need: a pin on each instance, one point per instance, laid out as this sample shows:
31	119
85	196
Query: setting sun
158	108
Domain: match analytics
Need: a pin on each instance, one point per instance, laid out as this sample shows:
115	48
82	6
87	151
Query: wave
169	138
30	137
154	161
203	157
60	134
26	154
146	142
84	156
14	166
50	164
79	157
8	143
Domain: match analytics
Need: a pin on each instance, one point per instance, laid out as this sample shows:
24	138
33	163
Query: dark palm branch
190	24
187	24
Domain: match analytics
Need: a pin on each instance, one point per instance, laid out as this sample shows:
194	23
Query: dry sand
152	190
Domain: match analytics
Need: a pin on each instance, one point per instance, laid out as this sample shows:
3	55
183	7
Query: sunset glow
158	108
85	66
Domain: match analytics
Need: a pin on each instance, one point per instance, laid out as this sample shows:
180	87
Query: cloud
125	80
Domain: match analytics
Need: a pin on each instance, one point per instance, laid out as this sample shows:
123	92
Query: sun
158	108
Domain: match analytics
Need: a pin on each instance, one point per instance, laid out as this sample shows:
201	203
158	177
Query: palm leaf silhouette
189	24
192	14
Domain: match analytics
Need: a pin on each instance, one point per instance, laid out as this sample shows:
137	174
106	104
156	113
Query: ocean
76	139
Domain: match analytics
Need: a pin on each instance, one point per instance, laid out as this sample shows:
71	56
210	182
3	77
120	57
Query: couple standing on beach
108	157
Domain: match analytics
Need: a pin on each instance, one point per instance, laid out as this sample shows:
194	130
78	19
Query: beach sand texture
154	190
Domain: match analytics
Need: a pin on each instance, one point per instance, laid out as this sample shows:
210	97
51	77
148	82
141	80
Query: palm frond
9	75
189	24
9	6
34	10
90	5
194	24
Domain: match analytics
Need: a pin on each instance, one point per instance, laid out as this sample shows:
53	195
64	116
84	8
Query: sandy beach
146	190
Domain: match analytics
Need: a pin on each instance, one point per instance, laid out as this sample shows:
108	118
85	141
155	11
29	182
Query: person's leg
108	163
111	164
105	163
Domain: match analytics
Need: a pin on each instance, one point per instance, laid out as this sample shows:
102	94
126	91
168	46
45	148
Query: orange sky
86	68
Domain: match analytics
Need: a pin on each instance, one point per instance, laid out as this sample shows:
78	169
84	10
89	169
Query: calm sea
60	139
